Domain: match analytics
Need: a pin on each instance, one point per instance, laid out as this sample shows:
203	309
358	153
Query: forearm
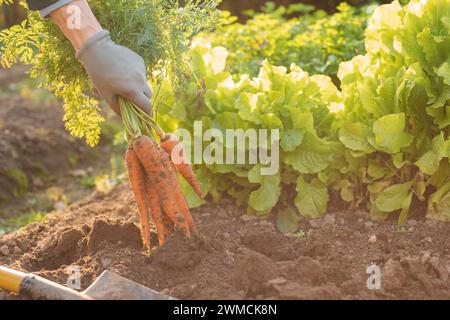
77	22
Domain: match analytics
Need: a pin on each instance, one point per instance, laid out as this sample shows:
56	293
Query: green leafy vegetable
381	139
287	221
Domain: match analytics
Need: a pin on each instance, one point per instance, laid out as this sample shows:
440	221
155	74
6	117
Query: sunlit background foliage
360	95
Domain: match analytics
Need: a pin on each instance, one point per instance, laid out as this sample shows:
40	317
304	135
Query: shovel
109	286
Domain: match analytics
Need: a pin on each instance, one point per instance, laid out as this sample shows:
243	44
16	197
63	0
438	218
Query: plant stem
137	122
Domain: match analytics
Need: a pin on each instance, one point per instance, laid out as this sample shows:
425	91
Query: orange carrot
178	191
136	175
156	212
148	154
169	143
168	226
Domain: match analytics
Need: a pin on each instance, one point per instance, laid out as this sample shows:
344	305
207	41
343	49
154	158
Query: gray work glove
116	71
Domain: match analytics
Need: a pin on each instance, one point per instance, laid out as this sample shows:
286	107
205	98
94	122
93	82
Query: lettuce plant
397	113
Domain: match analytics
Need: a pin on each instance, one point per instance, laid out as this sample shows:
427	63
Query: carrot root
156	212
148	153
178	191
170	144
137	179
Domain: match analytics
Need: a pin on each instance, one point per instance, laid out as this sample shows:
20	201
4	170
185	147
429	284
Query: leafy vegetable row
397	110
382	140
314	40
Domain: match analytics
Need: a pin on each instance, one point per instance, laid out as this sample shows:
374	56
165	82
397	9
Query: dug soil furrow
237	256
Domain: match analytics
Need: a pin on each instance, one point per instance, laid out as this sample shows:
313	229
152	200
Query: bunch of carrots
153	175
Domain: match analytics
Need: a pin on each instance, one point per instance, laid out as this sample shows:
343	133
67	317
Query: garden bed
237	256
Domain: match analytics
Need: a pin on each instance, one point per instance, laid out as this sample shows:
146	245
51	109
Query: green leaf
301	119
271	121
248	104
406	204
429	162
287	221
291	139
394	197
313	156
266	197
229	120
439	110
398	160
439	204
355	137
376	170
420	189
378	215
347	190
444	72
192	198
390	133
311	200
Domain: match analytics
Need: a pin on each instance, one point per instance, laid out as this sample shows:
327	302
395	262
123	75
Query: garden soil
37	153
236	256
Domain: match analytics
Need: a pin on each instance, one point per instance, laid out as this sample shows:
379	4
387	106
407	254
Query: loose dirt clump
69	244
109	232
238	258
180	253
252	273
60	249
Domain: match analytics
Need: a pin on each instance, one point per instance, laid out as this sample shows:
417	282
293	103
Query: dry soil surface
237	256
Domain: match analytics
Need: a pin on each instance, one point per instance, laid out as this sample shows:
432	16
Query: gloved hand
116	71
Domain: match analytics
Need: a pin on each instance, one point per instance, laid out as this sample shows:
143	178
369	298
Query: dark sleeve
40	4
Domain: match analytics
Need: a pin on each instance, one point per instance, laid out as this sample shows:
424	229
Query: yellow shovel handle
10	279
